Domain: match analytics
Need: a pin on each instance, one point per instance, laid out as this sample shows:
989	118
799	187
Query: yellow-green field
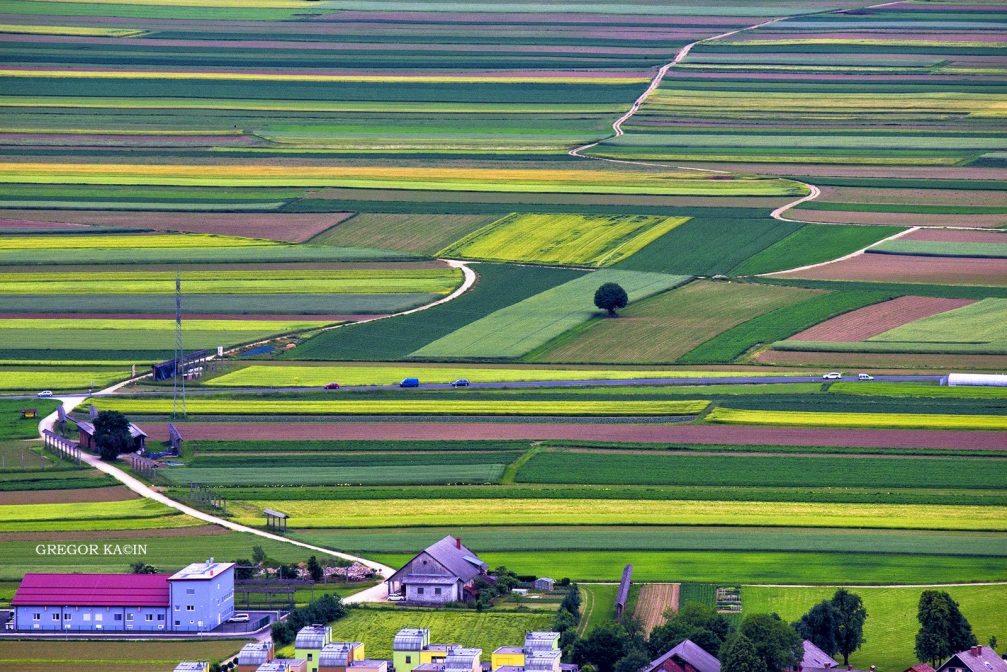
875	420
406	513
584	240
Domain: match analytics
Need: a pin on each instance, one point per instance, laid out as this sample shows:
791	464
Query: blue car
461	382
410	382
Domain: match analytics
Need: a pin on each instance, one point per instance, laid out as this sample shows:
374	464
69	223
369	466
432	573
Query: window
149	617
437	591
68	617
160	617
36	616
190	607
310	655
129	617
178	622
55	617
87	616
409	660
190	591
419	591
177	607
99	617
118	617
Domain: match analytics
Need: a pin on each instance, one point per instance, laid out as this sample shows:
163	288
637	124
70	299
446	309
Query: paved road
735	380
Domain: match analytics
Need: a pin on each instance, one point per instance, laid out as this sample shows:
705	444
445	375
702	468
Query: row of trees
325	609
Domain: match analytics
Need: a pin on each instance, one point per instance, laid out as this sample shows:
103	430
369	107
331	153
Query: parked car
396	597
332	386
461	382
832	376
238	618
865	376
410	382
45	393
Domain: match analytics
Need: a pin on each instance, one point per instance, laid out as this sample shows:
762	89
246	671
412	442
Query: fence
143	466
18	455
63	448
200	494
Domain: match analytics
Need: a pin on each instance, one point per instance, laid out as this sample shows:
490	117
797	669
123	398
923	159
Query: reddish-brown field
897	218
859	325
953	236
616	433
913	196
286	227
654	599
6	224
938	362
114	493
906	268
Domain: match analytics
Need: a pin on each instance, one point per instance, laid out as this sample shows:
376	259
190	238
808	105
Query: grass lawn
890	630
597	605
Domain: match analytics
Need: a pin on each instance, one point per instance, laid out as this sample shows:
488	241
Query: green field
891	623
693	314
520	328
67	379
124	515
980	323
417	233
578	240
597	605
13	426
812	244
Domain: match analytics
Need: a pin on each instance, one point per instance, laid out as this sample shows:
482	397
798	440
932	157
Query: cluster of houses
690	657
412	651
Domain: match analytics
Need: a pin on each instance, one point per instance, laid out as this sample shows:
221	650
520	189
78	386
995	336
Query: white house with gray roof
439	574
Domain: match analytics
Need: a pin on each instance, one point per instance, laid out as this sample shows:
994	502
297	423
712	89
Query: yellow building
507	656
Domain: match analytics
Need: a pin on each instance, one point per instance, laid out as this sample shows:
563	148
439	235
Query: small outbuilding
975	380
85	431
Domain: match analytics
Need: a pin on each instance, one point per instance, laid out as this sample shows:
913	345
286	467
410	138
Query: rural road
607	382
374	594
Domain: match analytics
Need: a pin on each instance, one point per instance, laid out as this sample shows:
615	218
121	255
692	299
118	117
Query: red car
332	386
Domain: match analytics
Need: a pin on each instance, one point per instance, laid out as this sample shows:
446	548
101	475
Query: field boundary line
851	255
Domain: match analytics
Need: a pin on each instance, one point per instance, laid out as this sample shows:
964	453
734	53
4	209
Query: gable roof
454	557
814	657
920	667
690	653
92	590
977	659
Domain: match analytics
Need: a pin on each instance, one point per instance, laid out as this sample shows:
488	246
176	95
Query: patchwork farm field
782	188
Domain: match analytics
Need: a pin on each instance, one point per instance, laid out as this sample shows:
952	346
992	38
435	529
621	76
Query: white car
832	376
865	376
396	597
238	618
45	394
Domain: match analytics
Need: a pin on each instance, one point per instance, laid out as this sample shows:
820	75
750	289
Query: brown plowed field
616	433
906	268
31	224
939	362
912	196
654	599
953	236
799	170
897	218
286	227
859	325
113	493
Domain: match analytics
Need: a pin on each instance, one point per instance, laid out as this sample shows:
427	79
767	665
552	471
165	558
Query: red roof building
93	590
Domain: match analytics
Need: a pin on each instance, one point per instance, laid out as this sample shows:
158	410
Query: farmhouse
198	598
976	659
545	583
444	572
686	657
87	442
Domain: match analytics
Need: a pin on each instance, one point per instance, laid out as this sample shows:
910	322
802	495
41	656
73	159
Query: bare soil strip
906	268
113	493
84	535
654	599
859	325
616	433
950	236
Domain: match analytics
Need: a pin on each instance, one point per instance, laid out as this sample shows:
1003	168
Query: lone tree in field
611	297
943	629
850	614
111	434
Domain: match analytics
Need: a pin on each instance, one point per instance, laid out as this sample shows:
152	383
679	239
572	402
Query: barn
85	432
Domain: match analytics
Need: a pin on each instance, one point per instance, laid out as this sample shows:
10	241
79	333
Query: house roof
88	428
691	653
454	557
978	659
814	657
93	590
920	667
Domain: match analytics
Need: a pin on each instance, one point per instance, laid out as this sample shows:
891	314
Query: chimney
976	651
458	543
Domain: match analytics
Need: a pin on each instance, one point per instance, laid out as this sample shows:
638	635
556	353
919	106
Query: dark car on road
332	386
410	382
461	382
